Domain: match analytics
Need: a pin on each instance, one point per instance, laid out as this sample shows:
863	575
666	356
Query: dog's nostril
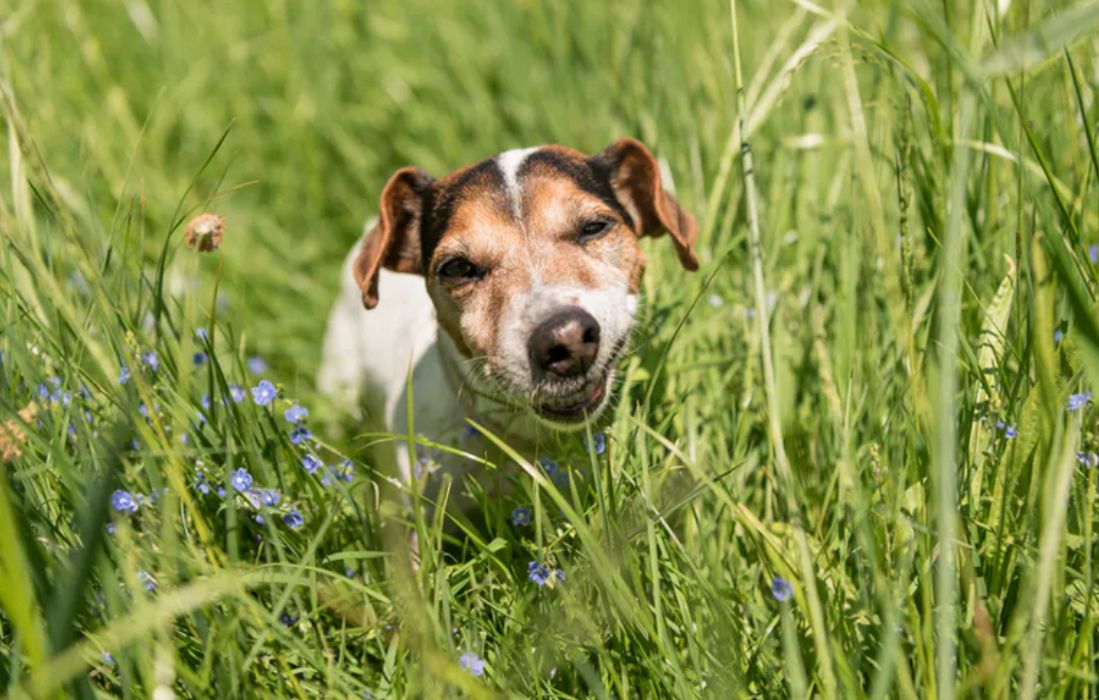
564	344
557	353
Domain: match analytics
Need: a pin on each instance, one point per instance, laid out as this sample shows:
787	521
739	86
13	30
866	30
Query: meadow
853	456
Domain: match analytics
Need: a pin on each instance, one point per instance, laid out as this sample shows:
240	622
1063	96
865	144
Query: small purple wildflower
300	434
241	479
781	589
287	619
124	375
598	443
200	358
269	497
1078	401
311	463
147	582
202	334
1087	459
107	658
293	519
257	365
220	492
1093	253
1010	432
264	393
470	431
149	359
472	663
236	393
520	517
296	414
111	529
123	501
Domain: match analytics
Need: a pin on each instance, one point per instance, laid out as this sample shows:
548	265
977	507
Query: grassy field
854	460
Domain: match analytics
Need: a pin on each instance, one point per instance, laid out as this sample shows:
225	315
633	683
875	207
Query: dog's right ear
395	241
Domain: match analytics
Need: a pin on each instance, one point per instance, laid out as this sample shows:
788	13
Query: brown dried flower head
12	437
204	232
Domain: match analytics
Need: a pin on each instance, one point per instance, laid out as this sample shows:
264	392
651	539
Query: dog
505	293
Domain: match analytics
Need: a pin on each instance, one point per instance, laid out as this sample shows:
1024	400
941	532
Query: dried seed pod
204	232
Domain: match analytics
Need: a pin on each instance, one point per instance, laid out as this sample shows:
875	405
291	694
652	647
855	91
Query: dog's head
532	261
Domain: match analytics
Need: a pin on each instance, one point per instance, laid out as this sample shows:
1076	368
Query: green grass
883	274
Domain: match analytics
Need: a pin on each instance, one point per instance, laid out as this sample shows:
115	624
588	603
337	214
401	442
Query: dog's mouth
577	406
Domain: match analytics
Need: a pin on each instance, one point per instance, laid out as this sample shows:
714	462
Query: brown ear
635	178
395	241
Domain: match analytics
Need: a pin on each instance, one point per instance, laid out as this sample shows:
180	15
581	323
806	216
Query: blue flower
1078	401
470	431
147	582
200	358
256	365
521	516
296	414
236	393
124	375
241	479
472	663
300	434
202	334
1088	459
264	393
293	519
286	618
781	589
123	501
269	497
1093	253
1057	335
111	529
150	360
542	574
311	463
598	443
548	466
107	657
221	492
1010	432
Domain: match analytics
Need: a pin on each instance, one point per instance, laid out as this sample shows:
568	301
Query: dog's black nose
565	344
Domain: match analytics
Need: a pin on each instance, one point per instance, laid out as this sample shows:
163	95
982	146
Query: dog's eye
459	271
592	230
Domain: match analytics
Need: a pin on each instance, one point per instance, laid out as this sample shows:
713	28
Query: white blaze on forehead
509	163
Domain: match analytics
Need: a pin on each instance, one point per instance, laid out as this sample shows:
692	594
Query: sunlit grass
854	455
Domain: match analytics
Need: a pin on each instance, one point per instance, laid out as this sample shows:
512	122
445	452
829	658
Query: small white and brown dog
529	264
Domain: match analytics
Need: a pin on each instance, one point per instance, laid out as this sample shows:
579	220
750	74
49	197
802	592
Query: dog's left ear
635	177
394	243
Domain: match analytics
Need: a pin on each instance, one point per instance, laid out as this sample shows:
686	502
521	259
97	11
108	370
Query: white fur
509	163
